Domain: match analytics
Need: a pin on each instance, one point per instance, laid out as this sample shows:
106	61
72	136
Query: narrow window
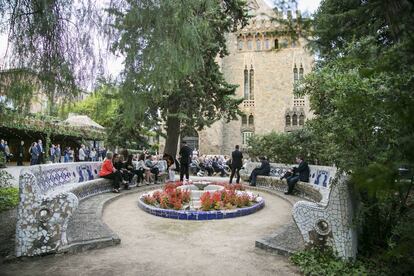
240	44
258	45
267	44
301	119
246	83
244	120
249	45
251	120
276	44
301	72
295	120
287	120
295	75
251	83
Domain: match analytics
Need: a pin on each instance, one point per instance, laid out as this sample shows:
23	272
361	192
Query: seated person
141	169
300	173
130	169
108	171
218	167
170	166
151	164
264	169
119	164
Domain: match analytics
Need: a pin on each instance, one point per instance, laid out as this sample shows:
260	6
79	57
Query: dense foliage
315	262
9	196
171	49
284	147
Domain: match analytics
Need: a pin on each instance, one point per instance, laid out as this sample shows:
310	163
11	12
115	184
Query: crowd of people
122	168
57	154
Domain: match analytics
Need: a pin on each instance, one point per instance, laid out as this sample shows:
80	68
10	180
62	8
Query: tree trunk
173	130
173	133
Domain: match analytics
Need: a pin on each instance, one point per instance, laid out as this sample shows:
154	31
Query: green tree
171	49
361	94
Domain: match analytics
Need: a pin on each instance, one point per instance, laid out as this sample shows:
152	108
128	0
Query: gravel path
157	246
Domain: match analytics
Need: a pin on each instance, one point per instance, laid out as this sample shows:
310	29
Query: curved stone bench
49	194
326	218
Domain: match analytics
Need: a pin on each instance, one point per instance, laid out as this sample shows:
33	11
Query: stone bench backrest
52	176
319	175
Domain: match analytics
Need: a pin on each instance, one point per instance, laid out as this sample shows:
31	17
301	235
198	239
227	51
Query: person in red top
109	172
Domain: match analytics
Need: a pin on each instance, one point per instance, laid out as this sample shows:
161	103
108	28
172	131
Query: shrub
317	262
9	198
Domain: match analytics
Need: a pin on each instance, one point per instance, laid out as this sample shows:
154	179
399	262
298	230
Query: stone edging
200	215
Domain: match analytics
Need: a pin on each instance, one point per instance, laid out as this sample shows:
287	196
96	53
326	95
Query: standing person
66	155
58	153
108	171
20	154
2	149
300	173
7	151
41	152
236	164
82	153
52	153
264	169
34	154
185	160
92	154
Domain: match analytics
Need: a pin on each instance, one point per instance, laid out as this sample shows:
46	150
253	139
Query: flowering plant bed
233	196
169	197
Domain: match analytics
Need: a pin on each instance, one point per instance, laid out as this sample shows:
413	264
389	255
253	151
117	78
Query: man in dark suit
236	164
41	151
300	173
185	159
264	169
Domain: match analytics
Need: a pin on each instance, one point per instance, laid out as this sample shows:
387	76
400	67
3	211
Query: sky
114	64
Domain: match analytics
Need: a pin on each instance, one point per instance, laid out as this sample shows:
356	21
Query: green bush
314	261
9	198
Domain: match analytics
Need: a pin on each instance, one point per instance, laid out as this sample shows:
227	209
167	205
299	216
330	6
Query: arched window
244	120
251	120
240	44
258	45
276	44
294	120
287	120
246	83
301	72
251	83
250	44
301	119
295	75
267	44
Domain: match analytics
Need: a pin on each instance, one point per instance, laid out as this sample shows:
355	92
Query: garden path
157	246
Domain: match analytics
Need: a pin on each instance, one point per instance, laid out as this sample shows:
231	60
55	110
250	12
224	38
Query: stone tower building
266	66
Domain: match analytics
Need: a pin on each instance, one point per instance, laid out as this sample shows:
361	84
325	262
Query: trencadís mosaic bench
49	194
326	217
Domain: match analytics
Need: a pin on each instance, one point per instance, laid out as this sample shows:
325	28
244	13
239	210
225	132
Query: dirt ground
158	246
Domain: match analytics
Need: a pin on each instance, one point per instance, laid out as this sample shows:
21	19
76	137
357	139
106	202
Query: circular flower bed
170	202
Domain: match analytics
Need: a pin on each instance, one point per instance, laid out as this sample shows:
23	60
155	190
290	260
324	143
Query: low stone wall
49	194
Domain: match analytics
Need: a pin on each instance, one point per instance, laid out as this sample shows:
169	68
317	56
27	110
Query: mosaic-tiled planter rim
200	215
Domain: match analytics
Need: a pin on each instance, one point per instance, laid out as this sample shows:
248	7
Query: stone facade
264	66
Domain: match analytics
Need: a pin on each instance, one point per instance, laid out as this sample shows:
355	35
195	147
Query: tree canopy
171	49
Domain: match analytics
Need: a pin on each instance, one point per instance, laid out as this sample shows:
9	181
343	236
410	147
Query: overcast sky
114	64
